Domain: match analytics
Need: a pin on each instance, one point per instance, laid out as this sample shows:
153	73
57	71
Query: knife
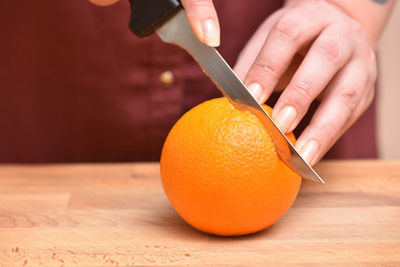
167	18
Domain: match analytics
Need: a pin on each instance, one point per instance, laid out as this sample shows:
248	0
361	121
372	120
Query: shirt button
167	78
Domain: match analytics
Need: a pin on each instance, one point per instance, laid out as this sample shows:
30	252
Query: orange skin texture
221	172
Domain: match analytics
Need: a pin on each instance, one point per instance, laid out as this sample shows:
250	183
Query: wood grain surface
118	215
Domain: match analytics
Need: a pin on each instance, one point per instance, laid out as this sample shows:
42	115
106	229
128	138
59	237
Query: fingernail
285	118
255	90
210	33
309	151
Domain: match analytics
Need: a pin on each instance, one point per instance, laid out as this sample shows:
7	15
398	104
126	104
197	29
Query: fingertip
309	151
203	19
256	91
211	33
285	118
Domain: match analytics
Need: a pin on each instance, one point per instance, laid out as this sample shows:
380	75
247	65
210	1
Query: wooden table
117	214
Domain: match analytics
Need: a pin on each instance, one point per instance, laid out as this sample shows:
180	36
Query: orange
221	172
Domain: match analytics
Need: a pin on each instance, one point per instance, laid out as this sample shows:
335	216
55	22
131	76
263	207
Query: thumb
203	19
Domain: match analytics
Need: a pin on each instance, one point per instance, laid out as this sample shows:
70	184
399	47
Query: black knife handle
148	15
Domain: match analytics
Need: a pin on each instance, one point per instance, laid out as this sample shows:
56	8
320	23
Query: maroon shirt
76	85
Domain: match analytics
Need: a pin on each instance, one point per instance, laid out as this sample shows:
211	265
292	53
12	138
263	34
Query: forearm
371	14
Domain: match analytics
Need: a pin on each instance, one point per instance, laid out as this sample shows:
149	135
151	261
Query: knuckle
287	28
267	69
372	66
323	4
356	27
327	130
349	97
331	50
304	91
364	104
372	56
370	98
374	74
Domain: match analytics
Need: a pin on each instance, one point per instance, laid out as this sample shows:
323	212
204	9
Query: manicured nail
255	90
210	33
309	150
285	118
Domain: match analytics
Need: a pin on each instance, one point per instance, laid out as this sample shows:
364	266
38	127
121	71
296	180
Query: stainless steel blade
177	31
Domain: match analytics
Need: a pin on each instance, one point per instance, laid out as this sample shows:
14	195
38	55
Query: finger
103	2
343	103
293	30
203	19
326	57
249	53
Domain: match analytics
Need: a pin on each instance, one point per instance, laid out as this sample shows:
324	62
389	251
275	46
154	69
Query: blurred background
389	89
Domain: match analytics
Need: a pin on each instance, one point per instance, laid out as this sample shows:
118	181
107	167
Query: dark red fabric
76	85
